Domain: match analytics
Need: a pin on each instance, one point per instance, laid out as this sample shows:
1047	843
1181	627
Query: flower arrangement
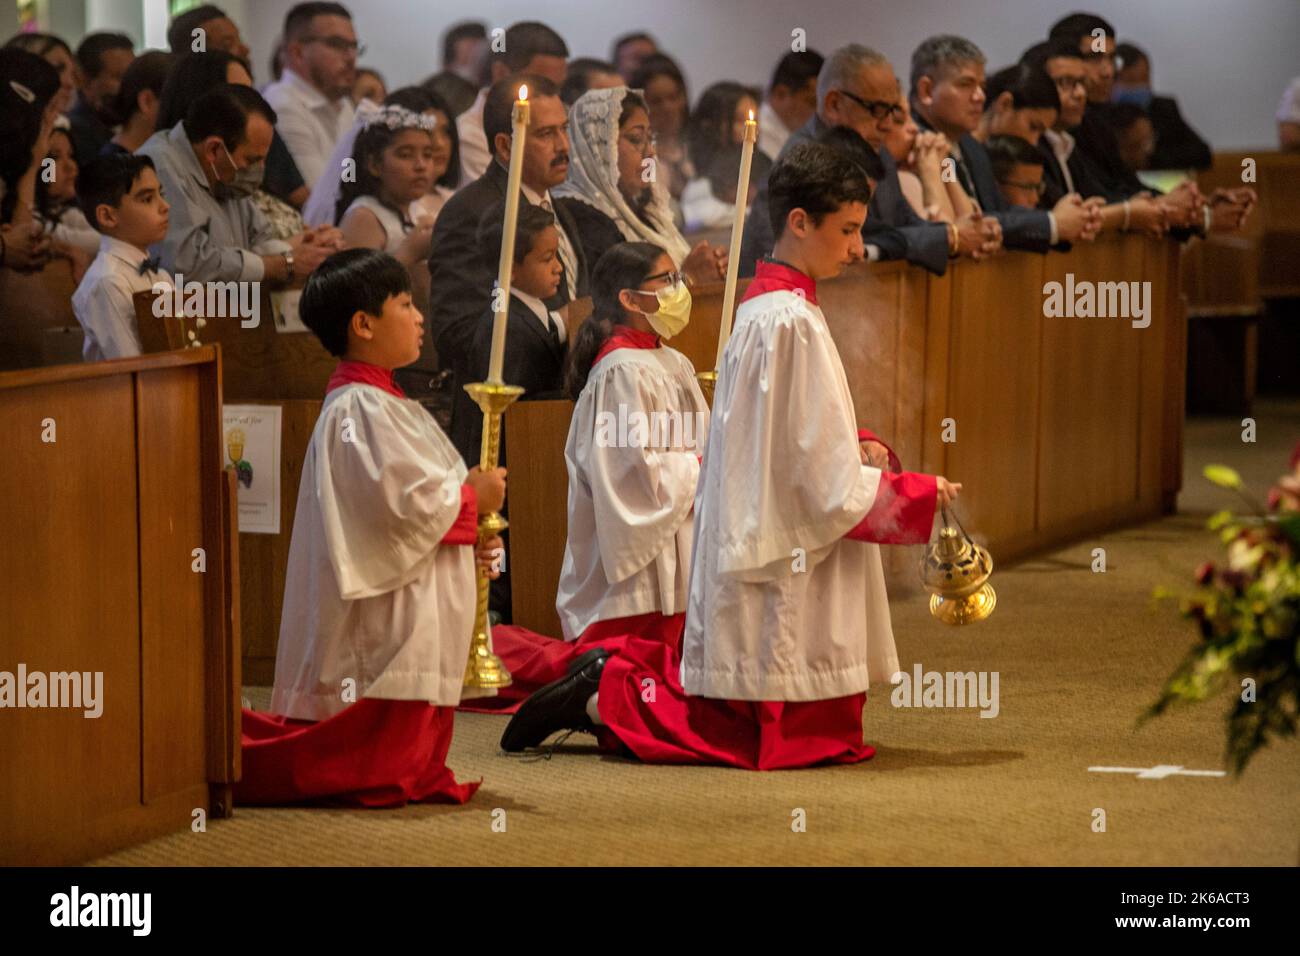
1247	610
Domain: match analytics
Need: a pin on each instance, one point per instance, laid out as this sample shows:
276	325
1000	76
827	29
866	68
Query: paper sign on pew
251	445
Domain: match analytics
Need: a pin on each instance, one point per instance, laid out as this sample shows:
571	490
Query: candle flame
751	116
523	93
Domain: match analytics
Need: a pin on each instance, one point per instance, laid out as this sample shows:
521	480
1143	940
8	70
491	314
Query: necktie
150	265
553	327
567	257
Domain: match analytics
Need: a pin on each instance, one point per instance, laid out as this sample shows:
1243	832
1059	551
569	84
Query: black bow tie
150	265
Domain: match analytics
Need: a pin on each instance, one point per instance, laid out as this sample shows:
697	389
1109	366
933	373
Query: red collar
626	337
349	371
773	276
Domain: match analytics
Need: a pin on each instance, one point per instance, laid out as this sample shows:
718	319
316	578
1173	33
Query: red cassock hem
375	753
534	660
646	711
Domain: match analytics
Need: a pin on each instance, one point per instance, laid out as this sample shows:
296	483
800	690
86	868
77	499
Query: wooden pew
1275	223
265	367
106	582
1064	427
32	304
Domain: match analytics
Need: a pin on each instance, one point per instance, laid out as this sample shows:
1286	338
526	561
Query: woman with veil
613	190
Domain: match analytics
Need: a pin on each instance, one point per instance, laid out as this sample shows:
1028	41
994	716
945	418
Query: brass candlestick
484	669
708	381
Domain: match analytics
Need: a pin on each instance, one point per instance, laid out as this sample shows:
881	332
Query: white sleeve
388	492
641	495
107	315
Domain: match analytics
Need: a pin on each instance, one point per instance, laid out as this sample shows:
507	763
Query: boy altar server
380	589
787	621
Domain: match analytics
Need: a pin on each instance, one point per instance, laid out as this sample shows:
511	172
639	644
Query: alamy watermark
78	690
634	428
209	300
946	689
1102	300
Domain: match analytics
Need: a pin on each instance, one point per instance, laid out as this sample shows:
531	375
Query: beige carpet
1079	655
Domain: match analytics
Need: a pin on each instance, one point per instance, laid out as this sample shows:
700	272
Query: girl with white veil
613	191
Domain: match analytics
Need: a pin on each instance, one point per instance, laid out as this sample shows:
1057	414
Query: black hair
853	147
20	117
192	75
453	89
1076	26
421	99
578	78
711	120
530	223
224	112
794	70
723	173
500	103
467	30
1030	88
38	43
369	145
1057	49
180	33
348	282
817	178
298	20
625	39
527	39
106	179
624	265
1007	152
661	64
1130	54
91	50
148	71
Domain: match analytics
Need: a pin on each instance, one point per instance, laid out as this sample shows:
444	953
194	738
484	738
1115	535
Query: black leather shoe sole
560	705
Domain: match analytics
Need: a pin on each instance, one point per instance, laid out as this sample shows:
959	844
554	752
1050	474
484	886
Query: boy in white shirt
122	198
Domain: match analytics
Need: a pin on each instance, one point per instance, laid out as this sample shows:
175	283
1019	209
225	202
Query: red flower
1205	573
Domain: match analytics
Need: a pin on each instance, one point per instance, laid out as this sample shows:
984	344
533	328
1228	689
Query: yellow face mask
674	310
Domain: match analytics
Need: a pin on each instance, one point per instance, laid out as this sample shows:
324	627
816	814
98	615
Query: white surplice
782	606
636	432
370	594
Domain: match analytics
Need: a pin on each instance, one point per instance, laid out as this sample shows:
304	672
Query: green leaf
1218	520
1223	476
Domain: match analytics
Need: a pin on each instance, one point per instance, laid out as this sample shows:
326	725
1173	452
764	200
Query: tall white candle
737	230
505	264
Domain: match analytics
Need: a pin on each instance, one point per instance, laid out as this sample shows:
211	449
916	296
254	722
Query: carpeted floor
1078	654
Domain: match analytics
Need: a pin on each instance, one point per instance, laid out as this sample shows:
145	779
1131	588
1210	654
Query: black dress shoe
560	705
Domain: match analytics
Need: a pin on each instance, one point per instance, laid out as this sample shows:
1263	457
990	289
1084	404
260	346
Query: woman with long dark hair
664	87
29	88
633	458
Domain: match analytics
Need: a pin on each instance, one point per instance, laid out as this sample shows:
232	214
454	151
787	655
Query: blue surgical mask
1137	95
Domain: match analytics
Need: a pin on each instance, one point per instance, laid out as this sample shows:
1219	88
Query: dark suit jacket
596	232
532	360
1028	229
1178	146
1096	139
461	284
892	225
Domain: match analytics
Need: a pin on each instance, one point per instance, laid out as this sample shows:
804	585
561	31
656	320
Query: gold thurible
708	382
484	669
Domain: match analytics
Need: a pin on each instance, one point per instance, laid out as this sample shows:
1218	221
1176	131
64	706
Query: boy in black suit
536	338
460	279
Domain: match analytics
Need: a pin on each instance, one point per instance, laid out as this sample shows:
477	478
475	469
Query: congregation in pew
997	186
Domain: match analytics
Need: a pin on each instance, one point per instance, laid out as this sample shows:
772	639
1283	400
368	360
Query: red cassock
646	711
376	752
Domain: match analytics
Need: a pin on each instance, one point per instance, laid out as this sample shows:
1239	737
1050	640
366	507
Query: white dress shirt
208	239
308	122
474	153
103	302
1062	144
772	133
539	309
